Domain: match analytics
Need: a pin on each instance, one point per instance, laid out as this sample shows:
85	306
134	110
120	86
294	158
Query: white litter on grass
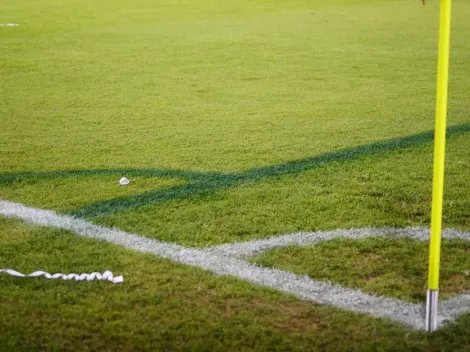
9	25
107	275
124	181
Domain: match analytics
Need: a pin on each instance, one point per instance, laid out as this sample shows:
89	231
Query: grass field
238	120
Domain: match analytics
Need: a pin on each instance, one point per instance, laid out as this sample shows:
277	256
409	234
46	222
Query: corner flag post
439	158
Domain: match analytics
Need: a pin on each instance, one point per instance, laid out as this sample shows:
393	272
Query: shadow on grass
206	183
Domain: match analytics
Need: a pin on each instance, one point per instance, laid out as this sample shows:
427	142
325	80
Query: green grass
383	266
235	87
238	120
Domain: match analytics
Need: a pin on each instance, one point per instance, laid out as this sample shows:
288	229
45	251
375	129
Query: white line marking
254	247
9	25
303	287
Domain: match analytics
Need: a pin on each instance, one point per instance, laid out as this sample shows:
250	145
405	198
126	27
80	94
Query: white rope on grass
107	275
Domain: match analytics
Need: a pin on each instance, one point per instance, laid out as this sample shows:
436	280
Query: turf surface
237	120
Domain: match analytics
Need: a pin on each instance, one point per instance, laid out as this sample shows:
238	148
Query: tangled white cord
107	275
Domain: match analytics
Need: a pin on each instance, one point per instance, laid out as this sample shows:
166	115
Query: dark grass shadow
203	184
10	178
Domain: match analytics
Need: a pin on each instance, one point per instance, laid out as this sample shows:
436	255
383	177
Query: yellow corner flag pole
439	158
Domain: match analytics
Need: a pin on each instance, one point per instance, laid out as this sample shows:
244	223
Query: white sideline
212	259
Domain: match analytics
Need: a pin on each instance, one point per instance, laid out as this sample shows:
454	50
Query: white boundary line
217	260
251	248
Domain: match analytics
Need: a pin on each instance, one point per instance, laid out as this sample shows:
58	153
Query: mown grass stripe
10	178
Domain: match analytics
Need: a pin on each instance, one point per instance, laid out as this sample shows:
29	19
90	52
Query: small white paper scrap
107	275
124	181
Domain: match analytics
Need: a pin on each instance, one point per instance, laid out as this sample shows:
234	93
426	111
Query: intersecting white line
222	260
254	247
